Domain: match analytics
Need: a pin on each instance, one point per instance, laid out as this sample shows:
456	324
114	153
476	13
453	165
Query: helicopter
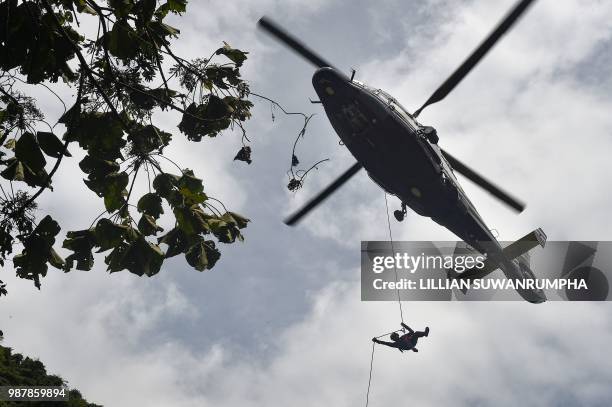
403	157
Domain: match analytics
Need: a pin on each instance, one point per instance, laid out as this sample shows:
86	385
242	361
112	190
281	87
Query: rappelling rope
399	302
372	366
393	252
370	378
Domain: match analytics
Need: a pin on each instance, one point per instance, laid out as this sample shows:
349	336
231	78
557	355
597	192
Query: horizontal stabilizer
512	251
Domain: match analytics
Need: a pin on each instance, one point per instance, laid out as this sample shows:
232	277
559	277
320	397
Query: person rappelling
407	341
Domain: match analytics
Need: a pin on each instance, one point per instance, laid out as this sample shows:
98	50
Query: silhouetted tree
121	77
17	370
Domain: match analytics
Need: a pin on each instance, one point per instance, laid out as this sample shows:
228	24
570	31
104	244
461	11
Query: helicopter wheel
400	214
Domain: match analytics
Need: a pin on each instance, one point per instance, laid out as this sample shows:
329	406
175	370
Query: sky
279	319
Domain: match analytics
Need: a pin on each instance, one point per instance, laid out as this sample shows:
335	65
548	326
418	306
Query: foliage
17	370
121	77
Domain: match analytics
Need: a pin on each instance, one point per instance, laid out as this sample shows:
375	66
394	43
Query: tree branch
47	180
85	66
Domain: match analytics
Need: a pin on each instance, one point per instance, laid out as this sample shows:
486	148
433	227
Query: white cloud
503	354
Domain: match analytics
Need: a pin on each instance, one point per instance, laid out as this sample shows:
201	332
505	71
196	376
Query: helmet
395	336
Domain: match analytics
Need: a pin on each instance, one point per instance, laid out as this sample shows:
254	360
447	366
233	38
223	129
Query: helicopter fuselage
403	158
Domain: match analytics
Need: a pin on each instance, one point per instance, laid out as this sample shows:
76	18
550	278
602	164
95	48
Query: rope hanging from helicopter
372	364
399	302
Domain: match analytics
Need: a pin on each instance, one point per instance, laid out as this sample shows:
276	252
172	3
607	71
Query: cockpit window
392	102
385	95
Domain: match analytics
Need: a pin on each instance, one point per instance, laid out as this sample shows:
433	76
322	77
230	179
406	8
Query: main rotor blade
477	55
283	36
483	183
293	219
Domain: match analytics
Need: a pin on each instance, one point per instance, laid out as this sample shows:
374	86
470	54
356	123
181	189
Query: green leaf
175	198
163	96
147	139
109	234
114	260
168	30
47	227
71	116
235	55
140	97
150	204
80	240
81	243
147	225
191	220
55	260
206	119
191	188
239	220
85	261
244	154
17	171
147	99
160	31
164	183
121	8
142	258
202	255
101	134
176	240
121	41
35	178
14	170
186	220
147	8
114	190
28	152
172	6
240	108
225	229
98	167
196	256
10	144
31	263
31	42
220	76
6	242
51	144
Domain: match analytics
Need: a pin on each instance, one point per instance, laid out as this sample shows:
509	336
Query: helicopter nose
328	82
